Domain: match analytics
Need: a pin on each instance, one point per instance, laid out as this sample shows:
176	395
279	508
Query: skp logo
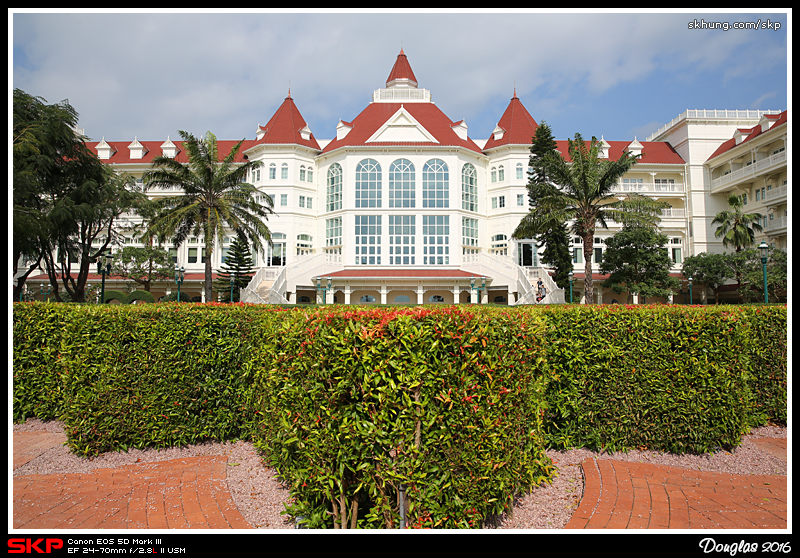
29	546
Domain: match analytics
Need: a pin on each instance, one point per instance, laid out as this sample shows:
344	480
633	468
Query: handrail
249	294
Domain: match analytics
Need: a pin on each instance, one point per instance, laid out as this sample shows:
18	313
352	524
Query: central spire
401	87
401	74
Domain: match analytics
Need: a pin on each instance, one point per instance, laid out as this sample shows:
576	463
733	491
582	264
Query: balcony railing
777	225
673	213
714	114
745	173
649	188
776	195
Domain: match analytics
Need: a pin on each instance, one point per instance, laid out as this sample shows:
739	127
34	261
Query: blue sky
614	74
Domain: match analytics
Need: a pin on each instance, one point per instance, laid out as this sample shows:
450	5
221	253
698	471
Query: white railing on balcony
713	114
649	187
760	166
401	94
673	213
776	224
776	194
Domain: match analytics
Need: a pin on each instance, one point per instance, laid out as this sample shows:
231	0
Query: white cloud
152	74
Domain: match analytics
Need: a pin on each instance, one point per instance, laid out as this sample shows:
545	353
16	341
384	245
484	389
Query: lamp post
104	268
690	290
479	289
233	282
321	286
42	291
764	249
571	279
180	275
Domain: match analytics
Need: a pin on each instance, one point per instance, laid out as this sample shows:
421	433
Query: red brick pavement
627	495
192	493
188	493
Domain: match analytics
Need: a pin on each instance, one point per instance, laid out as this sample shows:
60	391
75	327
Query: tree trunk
207	285
588	254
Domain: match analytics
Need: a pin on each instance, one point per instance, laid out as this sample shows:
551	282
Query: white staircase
522	281
270	284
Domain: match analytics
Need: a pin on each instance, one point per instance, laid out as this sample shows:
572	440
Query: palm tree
216	198
736	228
580	190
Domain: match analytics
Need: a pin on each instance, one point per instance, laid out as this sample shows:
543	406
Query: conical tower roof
401	74
287	126
516	126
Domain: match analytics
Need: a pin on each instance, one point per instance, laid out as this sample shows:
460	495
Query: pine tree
580	189
543	143
239	265
555	237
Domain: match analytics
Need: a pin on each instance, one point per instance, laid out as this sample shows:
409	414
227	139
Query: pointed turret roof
415	120
286	126
401	74
516	126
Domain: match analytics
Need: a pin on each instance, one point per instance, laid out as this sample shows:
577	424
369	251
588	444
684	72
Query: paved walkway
192	493
188	493
626	495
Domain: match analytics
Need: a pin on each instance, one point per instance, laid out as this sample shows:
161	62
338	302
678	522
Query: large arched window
401	184
334	195
435	184
368	184
469	188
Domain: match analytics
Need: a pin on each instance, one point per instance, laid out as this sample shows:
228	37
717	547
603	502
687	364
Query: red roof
376	115
401	70
659	152
285	127
152	149
403	273
518	126
754	132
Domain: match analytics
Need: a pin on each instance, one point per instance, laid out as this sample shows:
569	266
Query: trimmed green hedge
37	332
128	298
447	401
672	378
457	403
134	376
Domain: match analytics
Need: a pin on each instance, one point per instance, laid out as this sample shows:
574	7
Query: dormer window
105	150
137	149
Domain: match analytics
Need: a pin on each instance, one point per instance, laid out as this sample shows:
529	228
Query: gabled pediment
402	127
105	150
137	149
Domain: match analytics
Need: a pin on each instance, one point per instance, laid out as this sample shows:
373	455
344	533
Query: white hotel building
403	206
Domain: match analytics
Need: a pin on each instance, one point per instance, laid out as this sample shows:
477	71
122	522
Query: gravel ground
260	496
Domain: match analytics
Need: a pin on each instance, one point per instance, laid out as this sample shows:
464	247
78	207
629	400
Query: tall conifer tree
239	265
555	237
